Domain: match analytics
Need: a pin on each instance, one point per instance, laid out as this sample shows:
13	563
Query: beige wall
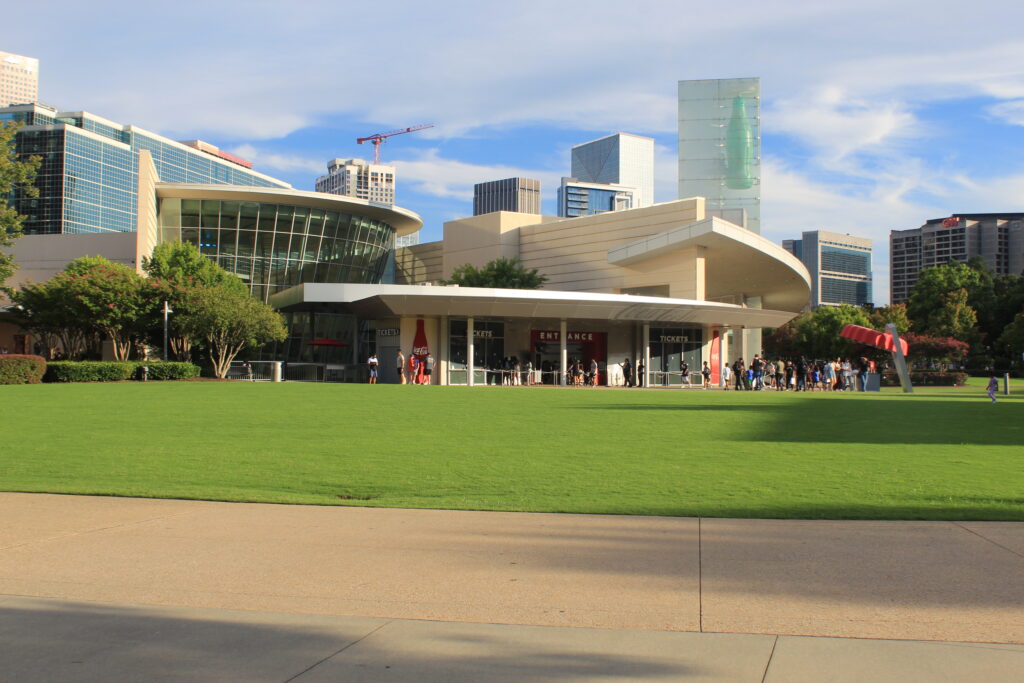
40	257
478	240
419	263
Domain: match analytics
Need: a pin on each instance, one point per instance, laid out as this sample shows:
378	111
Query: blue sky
875	116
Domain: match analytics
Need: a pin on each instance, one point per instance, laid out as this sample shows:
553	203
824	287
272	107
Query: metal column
442	350
646	355
563	351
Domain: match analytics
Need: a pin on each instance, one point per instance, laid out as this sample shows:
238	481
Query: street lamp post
167	311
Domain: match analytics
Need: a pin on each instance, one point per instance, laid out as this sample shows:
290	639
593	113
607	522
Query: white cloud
1011	112
279	162
432	174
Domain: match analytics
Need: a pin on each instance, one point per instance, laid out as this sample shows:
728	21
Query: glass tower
720	145
621	159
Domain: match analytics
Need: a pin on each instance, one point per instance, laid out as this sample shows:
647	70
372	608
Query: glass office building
720	145
839	265
577	198
621	159
89	177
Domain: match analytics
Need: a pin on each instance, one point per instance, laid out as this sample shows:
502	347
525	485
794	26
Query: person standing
684	369
862	373
993	387
428	368
705	373
627	372
372	363
726	373
400	366
413	367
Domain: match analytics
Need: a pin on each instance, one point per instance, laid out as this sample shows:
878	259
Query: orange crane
378	138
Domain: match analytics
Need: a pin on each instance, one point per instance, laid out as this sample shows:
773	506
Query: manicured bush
171	370
16	368
89	371
116	371
927	379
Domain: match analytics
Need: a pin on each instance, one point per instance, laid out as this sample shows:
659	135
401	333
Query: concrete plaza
96	588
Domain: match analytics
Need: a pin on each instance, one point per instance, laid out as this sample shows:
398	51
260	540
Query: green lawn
937	454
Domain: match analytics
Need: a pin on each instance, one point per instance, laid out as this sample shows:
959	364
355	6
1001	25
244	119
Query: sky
876	115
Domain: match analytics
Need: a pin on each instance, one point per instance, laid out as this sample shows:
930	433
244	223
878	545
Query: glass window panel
229	215
211	213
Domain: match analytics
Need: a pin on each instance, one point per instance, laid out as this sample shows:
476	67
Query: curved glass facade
275	246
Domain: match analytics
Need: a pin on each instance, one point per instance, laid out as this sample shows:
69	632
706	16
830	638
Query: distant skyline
877	116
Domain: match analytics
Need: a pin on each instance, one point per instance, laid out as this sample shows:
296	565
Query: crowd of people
841	374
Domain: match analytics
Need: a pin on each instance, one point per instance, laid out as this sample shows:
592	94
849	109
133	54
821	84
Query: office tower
840	267
720	145
621	159
358	178
19	79
996	237
90	176
521	195
576	198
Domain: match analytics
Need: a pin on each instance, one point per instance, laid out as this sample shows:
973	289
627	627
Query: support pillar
563	351
646	355
442	350
470	350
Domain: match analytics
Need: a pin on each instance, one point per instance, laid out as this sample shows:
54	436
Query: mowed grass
937	454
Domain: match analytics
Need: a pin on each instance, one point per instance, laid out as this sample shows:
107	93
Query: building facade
577	198
839	266
720	145
360	179
998	238
621	159
521	195
19	79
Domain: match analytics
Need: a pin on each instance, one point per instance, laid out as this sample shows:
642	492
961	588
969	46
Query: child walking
993	386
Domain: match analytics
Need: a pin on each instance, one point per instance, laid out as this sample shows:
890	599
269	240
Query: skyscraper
521	195
622	159
996	237
19	79
840	267
358	178
720	145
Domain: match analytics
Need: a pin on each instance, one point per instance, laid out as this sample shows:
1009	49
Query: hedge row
925	379
16	368
113	371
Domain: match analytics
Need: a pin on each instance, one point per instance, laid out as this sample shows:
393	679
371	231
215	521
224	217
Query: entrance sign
556	336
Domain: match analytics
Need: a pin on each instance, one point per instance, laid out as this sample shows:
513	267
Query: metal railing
251	370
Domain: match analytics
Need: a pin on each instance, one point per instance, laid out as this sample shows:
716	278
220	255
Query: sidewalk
322	577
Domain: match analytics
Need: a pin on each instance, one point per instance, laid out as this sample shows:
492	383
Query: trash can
873	381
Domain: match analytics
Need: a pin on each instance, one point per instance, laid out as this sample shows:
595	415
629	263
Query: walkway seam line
986	538
768	664
700	577
335	654
95	530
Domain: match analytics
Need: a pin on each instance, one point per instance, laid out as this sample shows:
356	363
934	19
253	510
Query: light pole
167	311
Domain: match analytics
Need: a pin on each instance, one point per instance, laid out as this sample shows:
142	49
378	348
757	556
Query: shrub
16	368
89	371
116	371
926	379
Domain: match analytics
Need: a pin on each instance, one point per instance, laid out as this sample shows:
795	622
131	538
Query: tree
175	269
16	176
109	296
895	314
50	310
929	295
818	333
1011	341
924	348
954	318
229	322
501	273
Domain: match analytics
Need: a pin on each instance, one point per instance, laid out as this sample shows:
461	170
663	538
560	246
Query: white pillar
469	351
563	351
275	371
647	355
442	351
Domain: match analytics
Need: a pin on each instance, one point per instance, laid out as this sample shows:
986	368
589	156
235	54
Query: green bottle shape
739	148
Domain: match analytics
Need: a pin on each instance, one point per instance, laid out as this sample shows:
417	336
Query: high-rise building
996	237
621	159
19	79
840	267
521	195
720	145
358	178
576	198
90	176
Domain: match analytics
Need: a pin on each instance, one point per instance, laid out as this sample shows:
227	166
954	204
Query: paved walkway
92	588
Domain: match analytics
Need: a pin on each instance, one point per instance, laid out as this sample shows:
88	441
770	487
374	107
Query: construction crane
378	138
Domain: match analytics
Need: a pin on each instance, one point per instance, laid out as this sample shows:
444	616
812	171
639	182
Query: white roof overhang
377	301
738	262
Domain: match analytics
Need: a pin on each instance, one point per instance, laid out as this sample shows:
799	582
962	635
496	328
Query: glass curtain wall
273	246
488	351
670	346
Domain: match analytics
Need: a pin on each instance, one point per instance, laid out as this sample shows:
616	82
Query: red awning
864	335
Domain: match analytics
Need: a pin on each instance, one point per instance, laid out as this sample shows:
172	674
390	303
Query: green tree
501	273
51	311
175	270
229	322
954	317
895	314
818	333
1011	341
929	295
108	295
16	177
